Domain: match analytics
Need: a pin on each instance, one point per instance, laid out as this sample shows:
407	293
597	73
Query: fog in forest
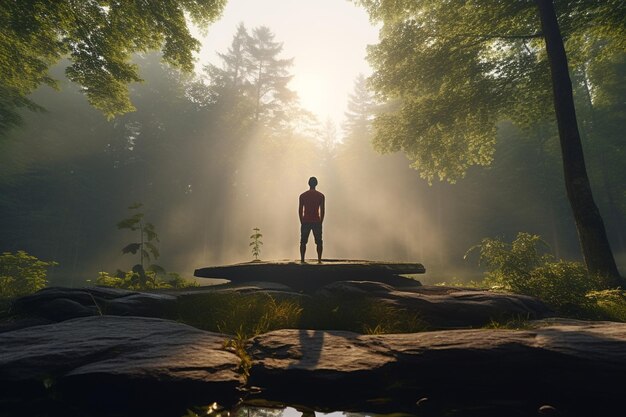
215	154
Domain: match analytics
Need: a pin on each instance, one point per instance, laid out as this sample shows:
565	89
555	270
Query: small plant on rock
256	243
146	246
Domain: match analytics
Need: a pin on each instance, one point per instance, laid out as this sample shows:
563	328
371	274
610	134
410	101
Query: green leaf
131	222
150	233
99	38
131	248
153	249
157	269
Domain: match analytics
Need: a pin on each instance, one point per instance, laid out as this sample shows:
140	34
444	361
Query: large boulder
437	307
311	276
445	307
60	303
118	362
576	367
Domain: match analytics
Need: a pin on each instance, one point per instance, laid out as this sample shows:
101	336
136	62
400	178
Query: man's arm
322	209
300	209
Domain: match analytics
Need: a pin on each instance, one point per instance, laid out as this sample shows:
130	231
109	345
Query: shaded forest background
214	154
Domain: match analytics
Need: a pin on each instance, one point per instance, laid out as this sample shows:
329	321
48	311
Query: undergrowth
512	323
247	315
524	267
243	316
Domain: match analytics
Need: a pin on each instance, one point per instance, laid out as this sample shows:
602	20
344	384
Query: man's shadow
311	343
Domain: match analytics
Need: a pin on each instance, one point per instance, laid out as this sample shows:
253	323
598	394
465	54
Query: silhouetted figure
311	212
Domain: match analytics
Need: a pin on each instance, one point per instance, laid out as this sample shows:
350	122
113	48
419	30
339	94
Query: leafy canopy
450	70
99	37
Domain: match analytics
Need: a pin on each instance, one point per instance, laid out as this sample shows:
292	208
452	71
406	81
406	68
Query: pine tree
269	75
358	119
251	82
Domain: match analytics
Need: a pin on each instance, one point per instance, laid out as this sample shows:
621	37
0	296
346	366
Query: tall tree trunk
614	214
591	232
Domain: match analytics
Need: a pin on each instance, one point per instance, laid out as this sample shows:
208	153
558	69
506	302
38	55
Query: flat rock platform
312	275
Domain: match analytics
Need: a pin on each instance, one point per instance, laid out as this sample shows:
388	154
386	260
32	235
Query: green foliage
149	280
450	71
521	267
510	265
99	38
239	315
147	235
563	285
247	315
357	127
21	274
251	84
515	323
609	304
256	243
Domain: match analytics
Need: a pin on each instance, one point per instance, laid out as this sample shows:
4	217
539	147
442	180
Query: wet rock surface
119	361
575	367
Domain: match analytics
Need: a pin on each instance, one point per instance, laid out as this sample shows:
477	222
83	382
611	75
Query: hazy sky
327	38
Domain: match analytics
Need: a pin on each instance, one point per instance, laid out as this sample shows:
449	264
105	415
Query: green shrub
563	285
174	280
609	304
22	274
510	265
522	267
143	280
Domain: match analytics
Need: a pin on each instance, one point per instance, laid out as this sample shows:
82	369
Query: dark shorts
305	230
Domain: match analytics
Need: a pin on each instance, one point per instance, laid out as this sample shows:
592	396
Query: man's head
312	182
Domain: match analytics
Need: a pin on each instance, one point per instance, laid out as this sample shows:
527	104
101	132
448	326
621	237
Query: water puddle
214	410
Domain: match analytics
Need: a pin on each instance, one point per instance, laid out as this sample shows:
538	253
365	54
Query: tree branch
491	36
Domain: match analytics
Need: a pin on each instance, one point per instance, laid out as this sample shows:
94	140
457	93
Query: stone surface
120	361
310	276
59	303
446	307
576	367
438	307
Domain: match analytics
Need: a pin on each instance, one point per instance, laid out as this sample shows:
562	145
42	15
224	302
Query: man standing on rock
311	212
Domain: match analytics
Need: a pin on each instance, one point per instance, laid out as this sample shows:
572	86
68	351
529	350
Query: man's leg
305	230
317	234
